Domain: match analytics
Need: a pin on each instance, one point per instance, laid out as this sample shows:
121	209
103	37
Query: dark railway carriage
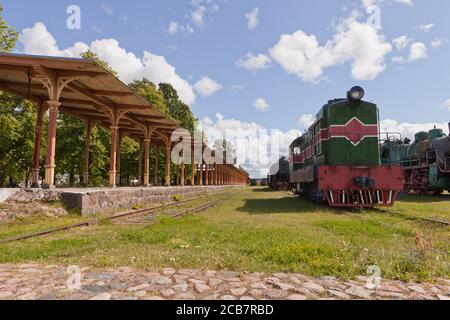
338	159
426	161
278	177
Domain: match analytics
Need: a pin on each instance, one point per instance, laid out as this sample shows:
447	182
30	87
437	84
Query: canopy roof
91	93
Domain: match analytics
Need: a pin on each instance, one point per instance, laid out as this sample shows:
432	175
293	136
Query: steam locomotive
338	159
426	161
278	178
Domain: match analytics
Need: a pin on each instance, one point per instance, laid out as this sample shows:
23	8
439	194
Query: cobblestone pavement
32	281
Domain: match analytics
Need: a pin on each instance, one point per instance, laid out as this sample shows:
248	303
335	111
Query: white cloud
398	59
409	2
261	104
426	27
446	104
408	130
369	3
237	88
306	121
263	147
252	19
300	54
174	27
97	29
207	87
401	42
436	43
197	16
200	9
417	51
253	62
37	40
107	9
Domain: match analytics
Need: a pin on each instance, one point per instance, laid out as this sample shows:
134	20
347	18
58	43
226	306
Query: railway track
140	217
415	218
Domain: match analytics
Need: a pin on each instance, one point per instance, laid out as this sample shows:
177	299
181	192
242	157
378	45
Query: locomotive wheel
432	192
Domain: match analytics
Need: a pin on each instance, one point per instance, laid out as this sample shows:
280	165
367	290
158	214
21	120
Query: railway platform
95	200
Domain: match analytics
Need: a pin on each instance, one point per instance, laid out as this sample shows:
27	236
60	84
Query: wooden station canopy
86	90
91	92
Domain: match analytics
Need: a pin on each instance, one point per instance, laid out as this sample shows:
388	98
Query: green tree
147	89
129	162
92	55
17	119
8	36
69	149
177	109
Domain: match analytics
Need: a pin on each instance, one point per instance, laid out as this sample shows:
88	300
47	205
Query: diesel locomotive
338	161
278	177
426	161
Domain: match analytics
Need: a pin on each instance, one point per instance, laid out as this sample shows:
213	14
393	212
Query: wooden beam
77	101
50	62
87	93
111	93
79	73
8	67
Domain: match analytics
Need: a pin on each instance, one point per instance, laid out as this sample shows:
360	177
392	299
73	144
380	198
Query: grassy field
256	230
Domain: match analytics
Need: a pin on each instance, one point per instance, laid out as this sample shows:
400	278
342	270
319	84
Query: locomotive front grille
360	198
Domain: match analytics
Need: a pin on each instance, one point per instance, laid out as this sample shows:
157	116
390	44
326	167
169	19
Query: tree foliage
17	122
8	36
148	91
177	109
92	55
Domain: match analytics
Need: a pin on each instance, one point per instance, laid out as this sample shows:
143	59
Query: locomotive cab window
318	148
318	145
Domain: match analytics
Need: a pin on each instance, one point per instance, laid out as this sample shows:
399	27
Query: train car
337	160
278	177
426	161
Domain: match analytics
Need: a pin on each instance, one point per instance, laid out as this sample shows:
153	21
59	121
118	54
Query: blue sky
212	39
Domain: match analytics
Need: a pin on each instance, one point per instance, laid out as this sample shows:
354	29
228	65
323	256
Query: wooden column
206	175
113	157
87	145
183	174
119	155
53	108
156	165
40	108
216	176
211	177
140	156
200	176
167	165
192	167
146	163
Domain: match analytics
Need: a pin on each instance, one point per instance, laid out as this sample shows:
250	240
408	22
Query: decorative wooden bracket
51	81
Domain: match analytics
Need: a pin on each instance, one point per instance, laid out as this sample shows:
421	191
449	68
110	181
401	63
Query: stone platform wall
91	201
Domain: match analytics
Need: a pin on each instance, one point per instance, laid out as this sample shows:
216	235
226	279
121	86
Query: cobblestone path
32	281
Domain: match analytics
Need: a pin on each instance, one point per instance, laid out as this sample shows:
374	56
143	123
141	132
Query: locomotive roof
298	141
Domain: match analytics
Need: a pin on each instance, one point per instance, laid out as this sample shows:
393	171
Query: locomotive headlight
356	94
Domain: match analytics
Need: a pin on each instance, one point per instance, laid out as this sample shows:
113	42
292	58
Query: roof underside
92	90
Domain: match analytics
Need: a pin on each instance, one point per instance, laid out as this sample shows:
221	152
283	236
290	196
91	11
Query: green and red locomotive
338	159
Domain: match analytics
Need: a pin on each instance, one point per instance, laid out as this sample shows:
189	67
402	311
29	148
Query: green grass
256	231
